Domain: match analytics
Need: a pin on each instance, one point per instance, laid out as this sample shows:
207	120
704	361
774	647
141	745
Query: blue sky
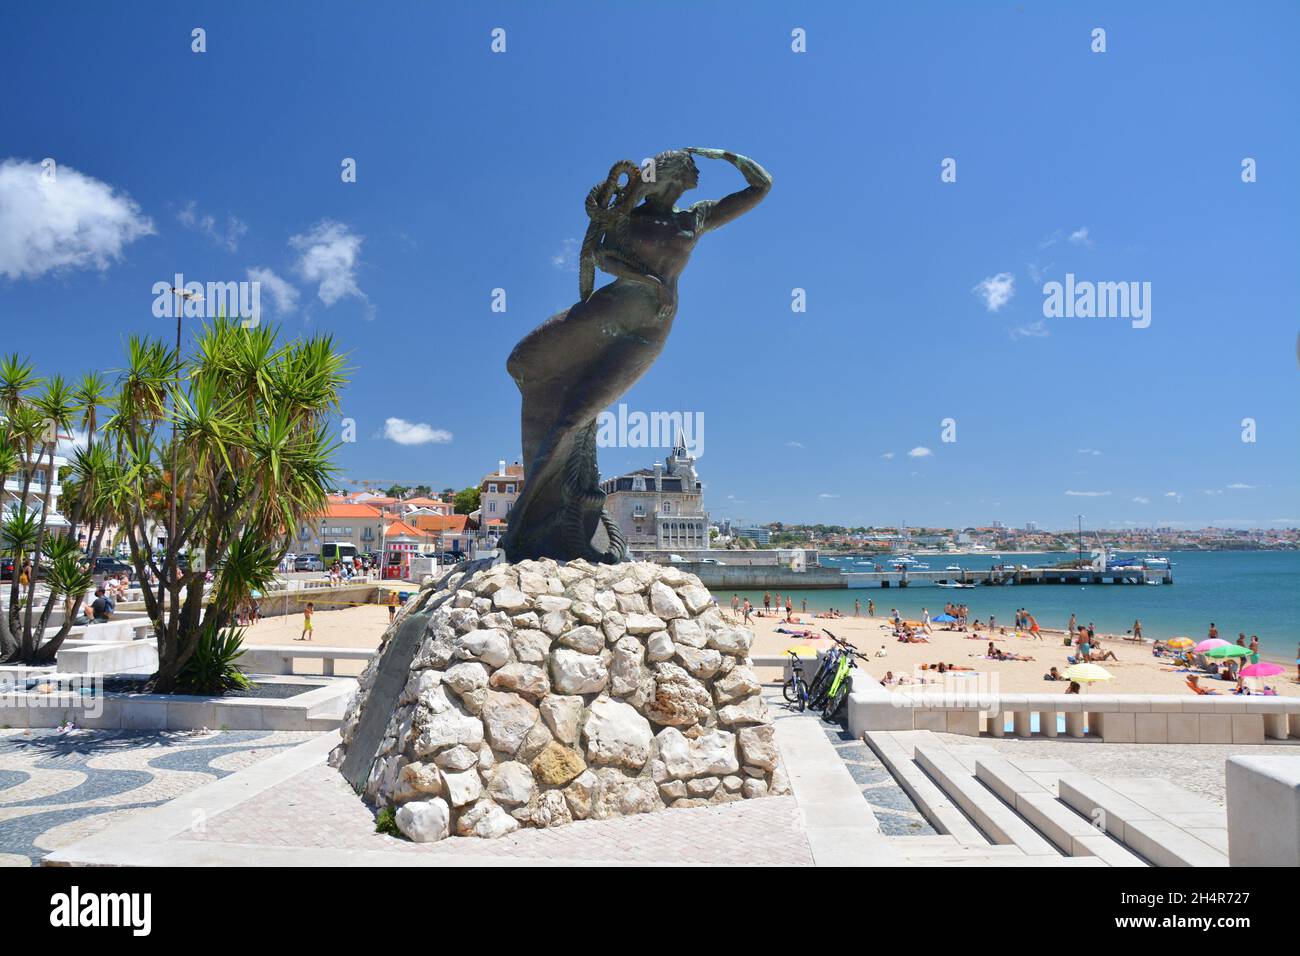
472	168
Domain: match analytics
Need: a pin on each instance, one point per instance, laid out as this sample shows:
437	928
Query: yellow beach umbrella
1087	673
802	650
1180	642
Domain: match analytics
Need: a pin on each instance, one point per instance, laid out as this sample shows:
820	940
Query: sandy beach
1135	670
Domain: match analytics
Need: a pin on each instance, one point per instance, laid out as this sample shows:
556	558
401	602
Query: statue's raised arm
712	213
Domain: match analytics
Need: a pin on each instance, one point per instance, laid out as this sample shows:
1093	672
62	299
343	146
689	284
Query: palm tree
245	445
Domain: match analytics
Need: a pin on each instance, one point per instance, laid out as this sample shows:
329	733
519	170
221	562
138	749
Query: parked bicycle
821	681
796	688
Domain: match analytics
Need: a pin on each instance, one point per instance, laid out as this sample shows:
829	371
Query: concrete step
1070	833
1139	824
941	812
998	821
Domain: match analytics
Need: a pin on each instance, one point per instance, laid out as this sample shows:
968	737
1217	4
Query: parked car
6	569
308	562
107	564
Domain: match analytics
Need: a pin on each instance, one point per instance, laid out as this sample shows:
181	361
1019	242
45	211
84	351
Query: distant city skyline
938	172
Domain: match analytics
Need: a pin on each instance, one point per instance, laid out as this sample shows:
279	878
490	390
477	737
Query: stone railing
1112	718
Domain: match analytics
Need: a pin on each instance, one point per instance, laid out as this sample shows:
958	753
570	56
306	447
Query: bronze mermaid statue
580	361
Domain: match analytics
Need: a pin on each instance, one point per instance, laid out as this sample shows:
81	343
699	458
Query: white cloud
283	295
1142	501
887	455
794	444
1213	491
1033	330
73	443
996	291
567	258
1087	494
1239	486
414	433
235	228
329	255
920	452
1089	451
826	494
1080	237
1175	495
71	221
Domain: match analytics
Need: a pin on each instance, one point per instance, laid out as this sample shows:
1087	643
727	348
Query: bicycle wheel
802	693
835	703
790	690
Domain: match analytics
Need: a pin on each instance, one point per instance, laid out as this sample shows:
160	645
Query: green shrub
212	668
386	822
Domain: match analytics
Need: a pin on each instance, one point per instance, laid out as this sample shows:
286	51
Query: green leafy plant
213	667
386	822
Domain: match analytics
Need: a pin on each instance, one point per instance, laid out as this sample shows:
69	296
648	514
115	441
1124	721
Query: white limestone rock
485	644
507	718
512	784
562	715
665	603
573	672
486	819
659	647
522	679
424	821
585	638
616	735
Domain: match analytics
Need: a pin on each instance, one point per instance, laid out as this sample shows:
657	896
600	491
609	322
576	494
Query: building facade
498	492
660	507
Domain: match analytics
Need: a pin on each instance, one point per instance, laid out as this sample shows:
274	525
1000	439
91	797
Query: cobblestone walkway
894	810
58	788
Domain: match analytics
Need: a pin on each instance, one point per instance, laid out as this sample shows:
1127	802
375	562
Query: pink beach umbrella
1209	643
1262	669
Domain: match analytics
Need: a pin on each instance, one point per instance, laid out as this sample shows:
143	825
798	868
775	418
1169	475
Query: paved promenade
56	789
292	809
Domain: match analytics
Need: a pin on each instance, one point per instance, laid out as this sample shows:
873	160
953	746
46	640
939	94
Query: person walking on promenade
392	601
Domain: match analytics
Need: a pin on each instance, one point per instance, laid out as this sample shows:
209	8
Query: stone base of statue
538	693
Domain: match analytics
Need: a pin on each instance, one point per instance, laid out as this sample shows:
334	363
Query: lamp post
182	295
1080	538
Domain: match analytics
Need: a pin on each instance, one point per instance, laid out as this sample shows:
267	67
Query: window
667	507
492	506
510	489
638	483
492	489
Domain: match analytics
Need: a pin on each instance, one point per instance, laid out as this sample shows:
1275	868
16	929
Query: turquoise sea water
1257	592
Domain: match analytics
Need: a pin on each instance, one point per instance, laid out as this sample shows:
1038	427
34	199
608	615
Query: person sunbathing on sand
1054	674
1196	688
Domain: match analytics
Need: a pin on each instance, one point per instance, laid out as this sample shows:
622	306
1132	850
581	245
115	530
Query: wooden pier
1009	576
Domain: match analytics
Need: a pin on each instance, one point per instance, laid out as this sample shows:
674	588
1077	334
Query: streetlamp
1080	538
182	296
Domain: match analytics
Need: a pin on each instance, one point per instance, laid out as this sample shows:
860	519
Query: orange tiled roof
400	529
345	509
440	522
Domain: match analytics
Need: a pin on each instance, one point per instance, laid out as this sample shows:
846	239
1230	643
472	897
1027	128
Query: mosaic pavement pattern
57	788
894	810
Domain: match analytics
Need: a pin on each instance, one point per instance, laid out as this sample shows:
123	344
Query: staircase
995	810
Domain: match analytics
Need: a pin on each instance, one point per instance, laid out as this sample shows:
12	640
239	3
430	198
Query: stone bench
279	658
